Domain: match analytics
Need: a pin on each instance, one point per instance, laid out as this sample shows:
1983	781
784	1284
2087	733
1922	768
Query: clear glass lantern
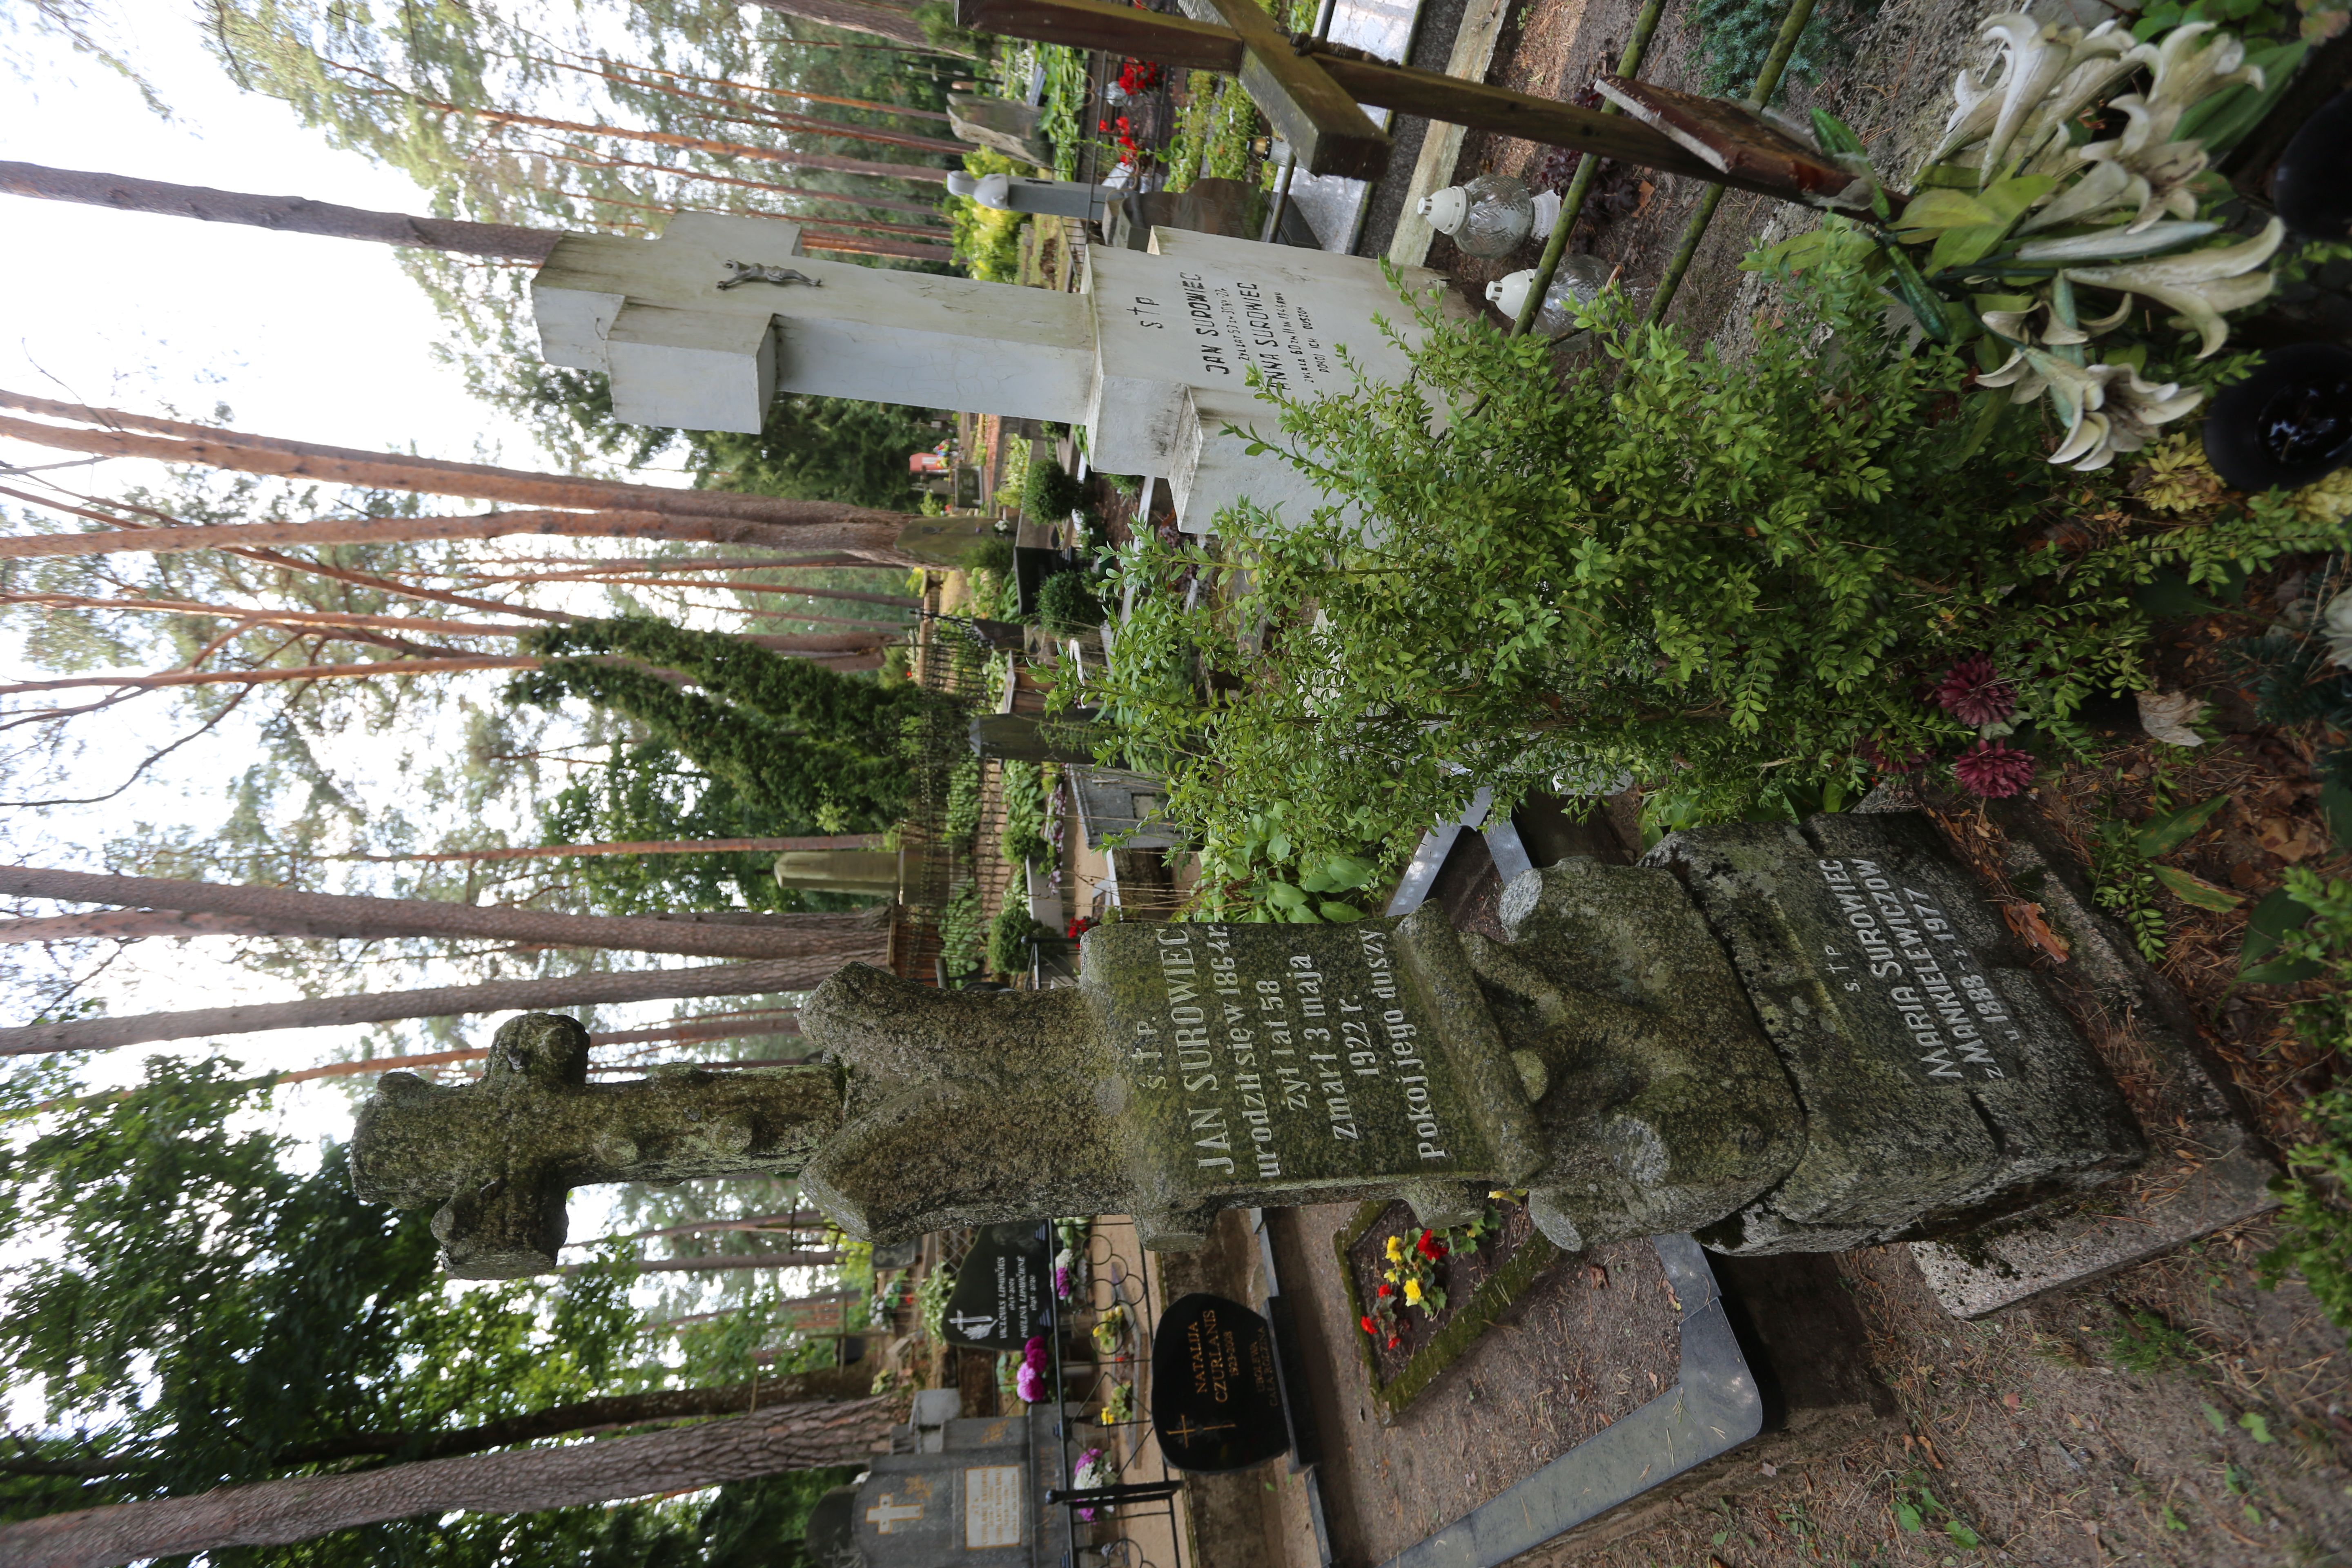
1492	215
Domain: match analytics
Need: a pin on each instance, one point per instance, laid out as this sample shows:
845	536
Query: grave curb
1714	1406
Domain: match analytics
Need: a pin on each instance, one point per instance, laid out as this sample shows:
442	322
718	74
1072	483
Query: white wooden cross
693	343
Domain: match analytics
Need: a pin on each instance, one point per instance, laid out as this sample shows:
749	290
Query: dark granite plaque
1216	1404
1002	1296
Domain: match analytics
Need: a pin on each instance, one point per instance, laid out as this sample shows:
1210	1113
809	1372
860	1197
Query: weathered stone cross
500	1155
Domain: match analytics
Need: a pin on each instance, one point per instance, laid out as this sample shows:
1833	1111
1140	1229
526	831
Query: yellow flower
1396	1249
1498	1195
2179	479
1413	1291
2329	501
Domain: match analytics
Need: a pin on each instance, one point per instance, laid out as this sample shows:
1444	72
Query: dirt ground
1596	1338
1892	85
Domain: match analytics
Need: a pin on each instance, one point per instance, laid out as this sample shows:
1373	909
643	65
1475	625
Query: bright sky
320	339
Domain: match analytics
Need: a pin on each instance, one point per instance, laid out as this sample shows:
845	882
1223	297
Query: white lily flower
2116	244
2037	59
2099	60
2199	284
2105	188
2019	374
2119	413
2186	74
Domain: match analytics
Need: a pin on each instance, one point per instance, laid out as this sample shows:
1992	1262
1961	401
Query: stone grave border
1497	1292
1714	1406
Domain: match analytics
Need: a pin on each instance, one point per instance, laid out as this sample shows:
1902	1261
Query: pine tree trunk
776	1395
645	847
847	197
775	936
438	1001
687	1459
878	21
720	1262
603	524
874	105
804	524
796	1219
290	215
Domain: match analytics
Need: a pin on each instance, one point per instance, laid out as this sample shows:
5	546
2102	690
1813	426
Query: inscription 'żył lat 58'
1780	1038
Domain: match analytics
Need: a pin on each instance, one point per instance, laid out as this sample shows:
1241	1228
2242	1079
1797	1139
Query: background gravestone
1216	1401
1003	1295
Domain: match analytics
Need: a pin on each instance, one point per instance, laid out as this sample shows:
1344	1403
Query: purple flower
1066	1283
1033	1353
1993	769
1971	692
1030	1385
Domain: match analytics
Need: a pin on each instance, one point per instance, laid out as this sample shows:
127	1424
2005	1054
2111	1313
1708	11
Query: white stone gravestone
701	329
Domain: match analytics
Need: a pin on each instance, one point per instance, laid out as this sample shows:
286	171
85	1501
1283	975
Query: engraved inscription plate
991	1506
1907	960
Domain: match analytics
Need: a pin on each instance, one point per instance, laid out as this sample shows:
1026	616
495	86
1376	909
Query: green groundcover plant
1748	586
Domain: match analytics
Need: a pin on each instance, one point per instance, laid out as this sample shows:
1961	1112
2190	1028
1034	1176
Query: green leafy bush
1066	604
1732	582
986	243
991	555
2304	932
1049	492
963	941
1026	792
1009	939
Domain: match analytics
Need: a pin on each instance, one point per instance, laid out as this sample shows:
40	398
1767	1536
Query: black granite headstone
1216	1402
1003	1295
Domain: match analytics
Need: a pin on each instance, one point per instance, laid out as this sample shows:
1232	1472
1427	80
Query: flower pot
2286	426
2310	187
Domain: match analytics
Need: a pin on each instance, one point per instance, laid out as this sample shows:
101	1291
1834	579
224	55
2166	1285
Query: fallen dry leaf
2290	838
2025	919
2167	715
1600	1276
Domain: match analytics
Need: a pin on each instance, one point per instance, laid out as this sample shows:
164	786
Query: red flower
1428	1246
1971	692
1102	125
1395	1341
1994	770
1387	1289
1369	1327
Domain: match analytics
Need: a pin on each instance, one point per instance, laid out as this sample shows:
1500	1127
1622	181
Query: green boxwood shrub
1050	492
1008	939
1731	581
1066	604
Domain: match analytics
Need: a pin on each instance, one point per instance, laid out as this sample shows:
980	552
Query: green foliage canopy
1729	581
792	740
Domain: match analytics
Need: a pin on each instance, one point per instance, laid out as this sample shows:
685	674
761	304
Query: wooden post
1310	90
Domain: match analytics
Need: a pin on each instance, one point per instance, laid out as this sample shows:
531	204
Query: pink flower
1971	692
1030	1385
1034	1354
1993	769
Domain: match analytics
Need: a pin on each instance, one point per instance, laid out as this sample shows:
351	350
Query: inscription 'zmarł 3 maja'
1262	1054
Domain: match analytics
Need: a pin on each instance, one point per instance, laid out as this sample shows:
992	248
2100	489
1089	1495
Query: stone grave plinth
954	1492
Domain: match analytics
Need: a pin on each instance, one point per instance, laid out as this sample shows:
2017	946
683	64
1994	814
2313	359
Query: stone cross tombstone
1781	1038
701	329
1021	194
1216	1399
498	1156
1003	1294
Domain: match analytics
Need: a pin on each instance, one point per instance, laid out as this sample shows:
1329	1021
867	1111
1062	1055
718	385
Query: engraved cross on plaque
888	1514
500	1154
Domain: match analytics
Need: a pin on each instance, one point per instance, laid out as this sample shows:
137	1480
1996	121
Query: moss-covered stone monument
1781	1038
